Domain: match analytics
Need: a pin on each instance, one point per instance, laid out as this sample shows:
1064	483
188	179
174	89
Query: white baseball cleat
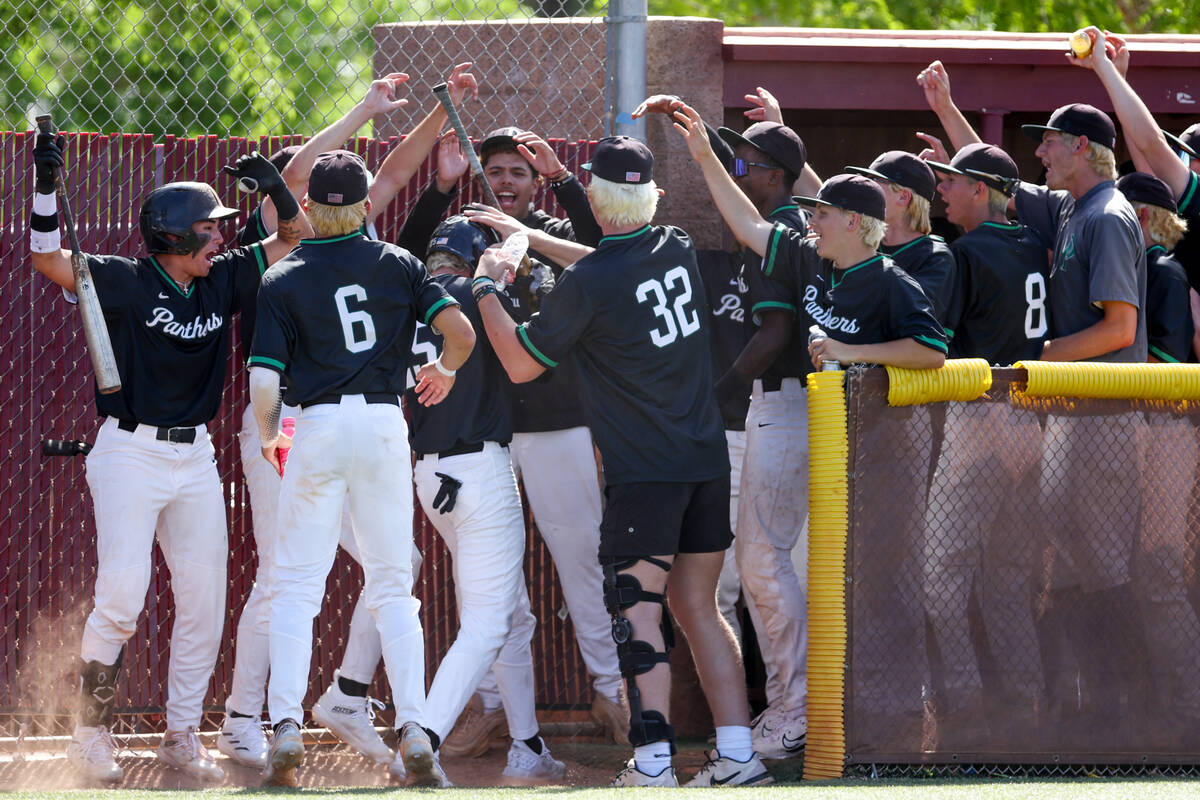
632	776
721	771
243	740
527	768
351	719
285	753
183	751
94	753
775	734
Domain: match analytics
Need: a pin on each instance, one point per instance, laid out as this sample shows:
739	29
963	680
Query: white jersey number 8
677	320
1035	311
351	318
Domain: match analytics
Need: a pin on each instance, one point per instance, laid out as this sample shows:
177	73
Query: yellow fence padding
960	379
1093	379
827	509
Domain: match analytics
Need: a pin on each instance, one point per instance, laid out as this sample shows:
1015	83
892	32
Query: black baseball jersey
336	316
793	362
871	302
998	309
633	318
1098	256
928	260
726	293
1169	326
254	230
170	345
475	410
1187	250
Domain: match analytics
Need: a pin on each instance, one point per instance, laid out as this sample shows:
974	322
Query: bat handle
248	185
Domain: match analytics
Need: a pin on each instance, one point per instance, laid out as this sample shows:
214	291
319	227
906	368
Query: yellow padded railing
827	513
960	379
1101	380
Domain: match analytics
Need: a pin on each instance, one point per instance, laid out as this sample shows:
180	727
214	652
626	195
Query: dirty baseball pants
485	533
358	450
143	489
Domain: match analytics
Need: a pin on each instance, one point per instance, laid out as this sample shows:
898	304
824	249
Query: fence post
626	66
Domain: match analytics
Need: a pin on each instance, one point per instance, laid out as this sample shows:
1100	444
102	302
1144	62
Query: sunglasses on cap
741	165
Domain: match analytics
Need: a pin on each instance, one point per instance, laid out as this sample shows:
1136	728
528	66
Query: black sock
534	744
434	739
352	688
238	714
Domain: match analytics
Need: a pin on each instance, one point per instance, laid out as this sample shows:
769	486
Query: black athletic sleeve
790	260
274	333
580	224
565	314
1039	209
1189	201
423	219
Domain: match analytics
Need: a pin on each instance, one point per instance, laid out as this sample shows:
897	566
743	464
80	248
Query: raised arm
935	80
563	251
501	329
1137	123
292	225
739	213
405	158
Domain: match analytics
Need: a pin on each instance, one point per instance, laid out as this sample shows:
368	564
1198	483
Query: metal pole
626	35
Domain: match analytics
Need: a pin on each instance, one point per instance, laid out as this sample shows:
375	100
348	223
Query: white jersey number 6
676	320
351	318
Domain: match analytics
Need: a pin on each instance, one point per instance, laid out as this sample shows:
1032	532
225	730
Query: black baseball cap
903	169
983	162
339	178
621	159
778	141
499	139
1077	119
281	158
850	193
1138	187
1187	142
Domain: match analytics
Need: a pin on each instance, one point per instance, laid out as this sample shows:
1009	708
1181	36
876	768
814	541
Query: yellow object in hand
1081	43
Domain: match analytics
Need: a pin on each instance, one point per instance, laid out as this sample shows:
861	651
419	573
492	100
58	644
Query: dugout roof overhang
992	73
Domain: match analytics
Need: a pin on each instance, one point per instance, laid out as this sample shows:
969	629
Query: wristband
560	178
482	292
449	373
483	279
286	206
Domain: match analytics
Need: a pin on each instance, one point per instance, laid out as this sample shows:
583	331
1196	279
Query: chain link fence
259	67
1021	584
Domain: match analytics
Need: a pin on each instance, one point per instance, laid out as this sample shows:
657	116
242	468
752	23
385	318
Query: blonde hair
440	259
335	220
997	200
916	213
1101	159
623	203
1164	227
870	230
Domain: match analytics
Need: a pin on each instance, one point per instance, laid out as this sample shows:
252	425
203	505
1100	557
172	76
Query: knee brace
635	657
98	687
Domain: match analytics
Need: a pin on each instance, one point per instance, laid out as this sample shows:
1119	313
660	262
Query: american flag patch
633	177
333	198
442	240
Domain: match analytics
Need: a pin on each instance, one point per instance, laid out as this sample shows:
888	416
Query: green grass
1066	789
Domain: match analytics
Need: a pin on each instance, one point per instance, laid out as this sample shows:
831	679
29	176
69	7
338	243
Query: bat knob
441	87
247	185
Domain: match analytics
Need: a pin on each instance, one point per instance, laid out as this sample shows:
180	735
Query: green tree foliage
235	67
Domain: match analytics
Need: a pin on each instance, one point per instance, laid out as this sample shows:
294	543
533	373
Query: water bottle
288	426
827	364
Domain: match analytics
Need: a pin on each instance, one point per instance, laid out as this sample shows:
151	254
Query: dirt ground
588	764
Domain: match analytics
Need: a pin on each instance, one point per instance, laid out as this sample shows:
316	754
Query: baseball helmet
461	237
169	211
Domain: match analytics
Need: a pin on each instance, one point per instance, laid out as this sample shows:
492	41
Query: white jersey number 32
678	320
350	319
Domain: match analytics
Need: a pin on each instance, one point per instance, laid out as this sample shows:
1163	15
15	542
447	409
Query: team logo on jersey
733	304
196	329
1068	250
825	316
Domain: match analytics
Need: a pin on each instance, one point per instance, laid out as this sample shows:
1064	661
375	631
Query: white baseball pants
360	450
772	519
141	486
729	585
485	533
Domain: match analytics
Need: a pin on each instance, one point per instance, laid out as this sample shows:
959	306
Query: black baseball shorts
663	519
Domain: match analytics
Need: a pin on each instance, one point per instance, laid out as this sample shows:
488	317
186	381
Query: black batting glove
256	174
48	149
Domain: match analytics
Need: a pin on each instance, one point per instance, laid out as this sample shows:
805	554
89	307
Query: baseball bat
464	141
104	363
